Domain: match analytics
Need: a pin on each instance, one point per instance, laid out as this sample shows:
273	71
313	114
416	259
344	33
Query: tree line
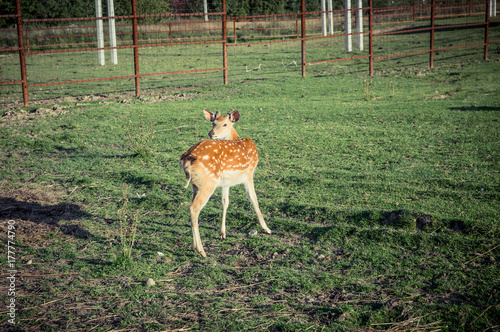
35	9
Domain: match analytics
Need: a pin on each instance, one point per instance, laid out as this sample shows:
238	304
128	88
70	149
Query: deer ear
234	116
208	115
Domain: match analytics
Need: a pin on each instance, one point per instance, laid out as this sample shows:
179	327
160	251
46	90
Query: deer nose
211	133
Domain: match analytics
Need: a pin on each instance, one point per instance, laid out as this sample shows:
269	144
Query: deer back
223	161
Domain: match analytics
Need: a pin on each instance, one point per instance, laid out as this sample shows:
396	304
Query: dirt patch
38	213
408	220
175	97
23	115
424	222
31	233
152	96
42	195
439	96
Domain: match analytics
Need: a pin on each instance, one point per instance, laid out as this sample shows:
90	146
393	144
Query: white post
323	17
348	39
205	10
493	8
100	32
359	24
330	16
112	32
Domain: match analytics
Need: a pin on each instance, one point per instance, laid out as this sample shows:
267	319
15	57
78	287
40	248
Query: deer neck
234	135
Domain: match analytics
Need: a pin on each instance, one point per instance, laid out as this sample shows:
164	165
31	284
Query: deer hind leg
200	198
225	204
249	187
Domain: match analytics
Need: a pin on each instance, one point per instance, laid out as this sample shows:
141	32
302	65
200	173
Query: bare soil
38	213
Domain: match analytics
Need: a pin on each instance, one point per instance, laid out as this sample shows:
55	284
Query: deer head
223	125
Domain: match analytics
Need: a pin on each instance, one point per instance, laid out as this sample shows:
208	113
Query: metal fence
62	59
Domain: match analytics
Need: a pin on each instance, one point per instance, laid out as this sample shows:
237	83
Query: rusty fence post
370	27
224	41
136	49
431	57
303	35
22	59
486	30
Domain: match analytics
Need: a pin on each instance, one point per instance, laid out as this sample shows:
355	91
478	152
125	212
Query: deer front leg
225	204
249	187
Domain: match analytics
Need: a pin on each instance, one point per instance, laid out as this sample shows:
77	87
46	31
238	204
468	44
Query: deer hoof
202	253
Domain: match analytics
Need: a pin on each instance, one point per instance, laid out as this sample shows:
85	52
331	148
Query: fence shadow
476	108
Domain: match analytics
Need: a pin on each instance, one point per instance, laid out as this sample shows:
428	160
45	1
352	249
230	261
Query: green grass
382	194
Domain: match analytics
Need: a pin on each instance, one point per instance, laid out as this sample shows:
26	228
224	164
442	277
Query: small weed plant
128	230
139	138
367	90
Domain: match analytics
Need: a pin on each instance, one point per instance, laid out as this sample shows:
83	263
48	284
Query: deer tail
186	167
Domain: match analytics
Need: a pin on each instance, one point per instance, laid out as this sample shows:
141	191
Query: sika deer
223	161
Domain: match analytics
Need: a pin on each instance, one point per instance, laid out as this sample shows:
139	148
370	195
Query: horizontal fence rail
162	46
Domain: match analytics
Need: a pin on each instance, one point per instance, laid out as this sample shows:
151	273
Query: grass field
382	194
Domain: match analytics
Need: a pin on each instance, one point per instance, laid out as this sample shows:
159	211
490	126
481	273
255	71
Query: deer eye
225	124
